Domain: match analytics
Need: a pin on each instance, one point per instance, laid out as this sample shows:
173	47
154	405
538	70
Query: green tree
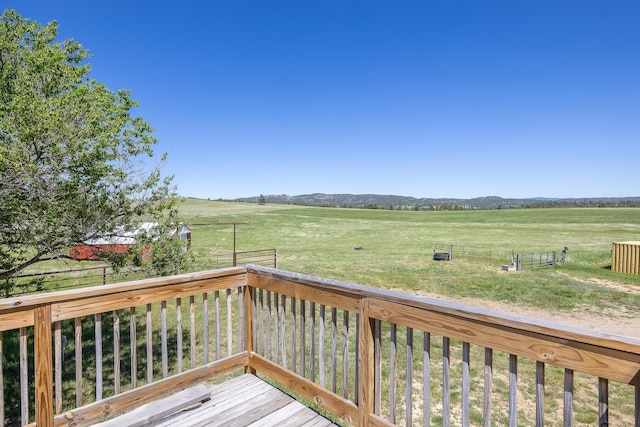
75	163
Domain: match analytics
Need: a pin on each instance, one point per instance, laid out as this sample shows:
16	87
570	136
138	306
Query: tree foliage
75	163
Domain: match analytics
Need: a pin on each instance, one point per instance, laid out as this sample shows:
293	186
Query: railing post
43	366
366	358
248	322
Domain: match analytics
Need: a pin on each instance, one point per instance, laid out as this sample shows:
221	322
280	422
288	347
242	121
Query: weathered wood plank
66	309
246	401
183	284
159	409
335	404
15	319
292	414
314	294
128	400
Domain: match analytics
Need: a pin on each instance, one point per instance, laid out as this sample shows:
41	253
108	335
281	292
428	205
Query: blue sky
425	98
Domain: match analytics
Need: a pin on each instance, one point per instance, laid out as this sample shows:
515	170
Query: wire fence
462	252
27	283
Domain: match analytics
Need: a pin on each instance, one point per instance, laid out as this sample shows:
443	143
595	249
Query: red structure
94	248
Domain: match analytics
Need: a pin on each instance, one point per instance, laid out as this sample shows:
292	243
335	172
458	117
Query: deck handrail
600	355
338	344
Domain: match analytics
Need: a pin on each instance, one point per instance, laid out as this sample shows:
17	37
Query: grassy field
397	249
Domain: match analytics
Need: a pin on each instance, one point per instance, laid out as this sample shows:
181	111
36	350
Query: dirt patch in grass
630	289
618	321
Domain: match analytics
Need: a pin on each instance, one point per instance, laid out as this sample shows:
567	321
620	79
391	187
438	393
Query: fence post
366	362
43	366
518	262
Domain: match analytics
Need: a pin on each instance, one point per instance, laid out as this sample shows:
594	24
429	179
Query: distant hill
378	201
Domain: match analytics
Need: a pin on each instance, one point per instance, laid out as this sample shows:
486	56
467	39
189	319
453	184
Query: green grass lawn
397	248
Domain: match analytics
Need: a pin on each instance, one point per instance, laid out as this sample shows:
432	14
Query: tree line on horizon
402	203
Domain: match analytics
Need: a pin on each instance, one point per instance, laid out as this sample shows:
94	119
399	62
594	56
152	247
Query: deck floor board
246	401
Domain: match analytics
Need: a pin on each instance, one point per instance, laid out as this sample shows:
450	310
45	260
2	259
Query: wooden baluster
269	341
163	334
283	330
294	327
513	390
261	321
446	381
58	356
99	357
240	318
205	326
426	379
345	354
276	326
568	398
116	351
392	374
179	332
78	342
24	378
377	366
312	341
192	329
133	339
636	393
334	347
2	384
540	380
303	333
217	316
488	386
321	366
229	325
149	344
466	379
603	402
409	383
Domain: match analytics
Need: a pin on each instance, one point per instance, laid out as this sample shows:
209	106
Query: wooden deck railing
366	355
